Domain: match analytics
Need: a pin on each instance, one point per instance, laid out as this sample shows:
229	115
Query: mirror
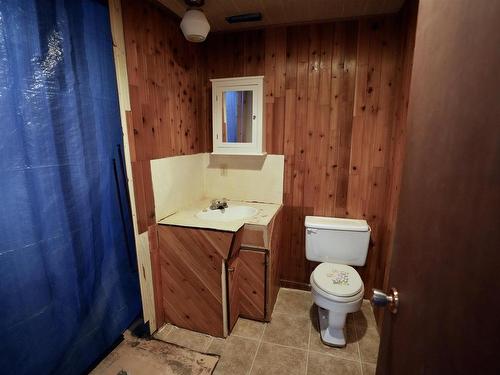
237	116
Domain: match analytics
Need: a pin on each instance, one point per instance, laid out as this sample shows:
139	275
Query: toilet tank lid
322	222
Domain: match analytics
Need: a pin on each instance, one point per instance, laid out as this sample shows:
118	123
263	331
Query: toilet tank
335	240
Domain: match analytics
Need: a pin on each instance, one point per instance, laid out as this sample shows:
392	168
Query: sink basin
228	214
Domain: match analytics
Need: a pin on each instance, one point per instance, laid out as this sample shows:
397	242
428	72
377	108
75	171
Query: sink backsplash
179	181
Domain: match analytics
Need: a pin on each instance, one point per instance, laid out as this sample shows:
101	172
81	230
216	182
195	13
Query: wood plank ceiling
281	12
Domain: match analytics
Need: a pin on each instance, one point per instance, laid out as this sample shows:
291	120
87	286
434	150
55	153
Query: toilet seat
337	280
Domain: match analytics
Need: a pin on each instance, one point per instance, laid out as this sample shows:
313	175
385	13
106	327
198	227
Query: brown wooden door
446	258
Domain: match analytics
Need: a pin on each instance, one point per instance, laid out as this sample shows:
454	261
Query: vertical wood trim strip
142	246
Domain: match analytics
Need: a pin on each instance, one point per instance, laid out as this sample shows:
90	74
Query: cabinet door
233	281
190	271
252	276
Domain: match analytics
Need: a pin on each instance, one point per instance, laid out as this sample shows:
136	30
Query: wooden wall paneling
165	77
298	267
203	111
329	185
342	102
276	146
269	79
289	146
311	129
130	129
253	53
320	161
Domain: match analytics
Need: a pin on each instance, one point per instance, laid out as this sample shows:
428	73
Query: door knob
380	299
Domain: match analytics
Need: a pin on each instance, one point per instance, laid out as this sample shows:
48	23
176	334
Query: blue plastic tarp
68	272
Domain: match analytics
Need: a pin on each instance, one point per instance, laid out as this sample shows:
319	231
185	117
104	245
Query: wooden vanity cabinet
193	283
206	279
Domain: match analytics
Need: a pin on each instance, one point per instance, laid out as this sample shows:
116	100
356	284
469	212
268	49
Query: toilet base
331	327
332	313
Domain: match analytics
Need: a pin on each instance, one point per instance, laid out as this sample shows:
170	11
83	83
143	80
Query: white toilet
337	288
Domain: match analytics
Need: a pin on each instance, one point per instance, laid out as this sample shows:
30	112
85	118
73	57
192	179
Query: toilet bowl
337	288
334	302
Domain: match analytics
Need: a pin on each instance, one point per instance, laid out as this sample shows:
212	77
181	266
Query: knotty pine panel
330	102
167	87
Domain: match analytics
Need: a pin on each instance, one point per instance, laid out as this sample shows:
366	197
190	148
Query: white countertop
186	217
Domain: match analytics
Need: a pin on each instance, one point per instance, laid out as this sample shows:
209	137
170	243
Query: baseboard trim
295	285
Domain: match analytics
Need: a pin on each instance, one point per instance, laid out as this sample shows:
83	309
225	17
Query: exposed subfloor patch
136	356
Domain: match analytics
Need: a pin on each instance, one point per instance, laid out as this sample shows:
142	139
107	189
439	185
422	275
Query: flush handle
310	231
391	300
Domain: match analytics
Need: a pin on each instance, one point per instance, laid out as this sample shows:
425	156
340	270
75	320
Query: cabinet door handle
230	269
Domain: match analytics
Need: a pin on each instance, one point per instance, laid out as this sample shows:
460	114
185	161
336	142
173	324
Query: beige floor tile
291	301
350	351
368	345
320	364
248	328
278	360
188	339
349	320
289	330
236	355
365	318
216	346
369	368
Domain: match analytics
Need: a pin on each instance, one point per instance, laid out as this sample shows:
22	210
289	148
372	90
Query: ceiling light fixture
194	24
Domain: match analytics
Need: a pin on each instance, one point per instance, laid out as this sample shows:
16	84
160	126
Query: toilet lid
337	279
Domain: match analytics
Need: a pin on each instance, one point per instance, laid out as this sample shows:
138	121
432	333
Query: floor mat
136	356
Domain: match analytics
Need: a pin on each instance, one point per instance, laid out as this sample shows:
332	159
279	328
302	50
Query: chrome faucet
218	204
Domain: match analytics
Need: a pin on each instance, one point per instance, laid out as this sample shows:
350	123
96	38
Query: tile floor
289	344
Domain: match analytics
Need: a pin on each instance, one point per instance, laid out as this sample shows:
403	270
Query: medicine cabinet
237	116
